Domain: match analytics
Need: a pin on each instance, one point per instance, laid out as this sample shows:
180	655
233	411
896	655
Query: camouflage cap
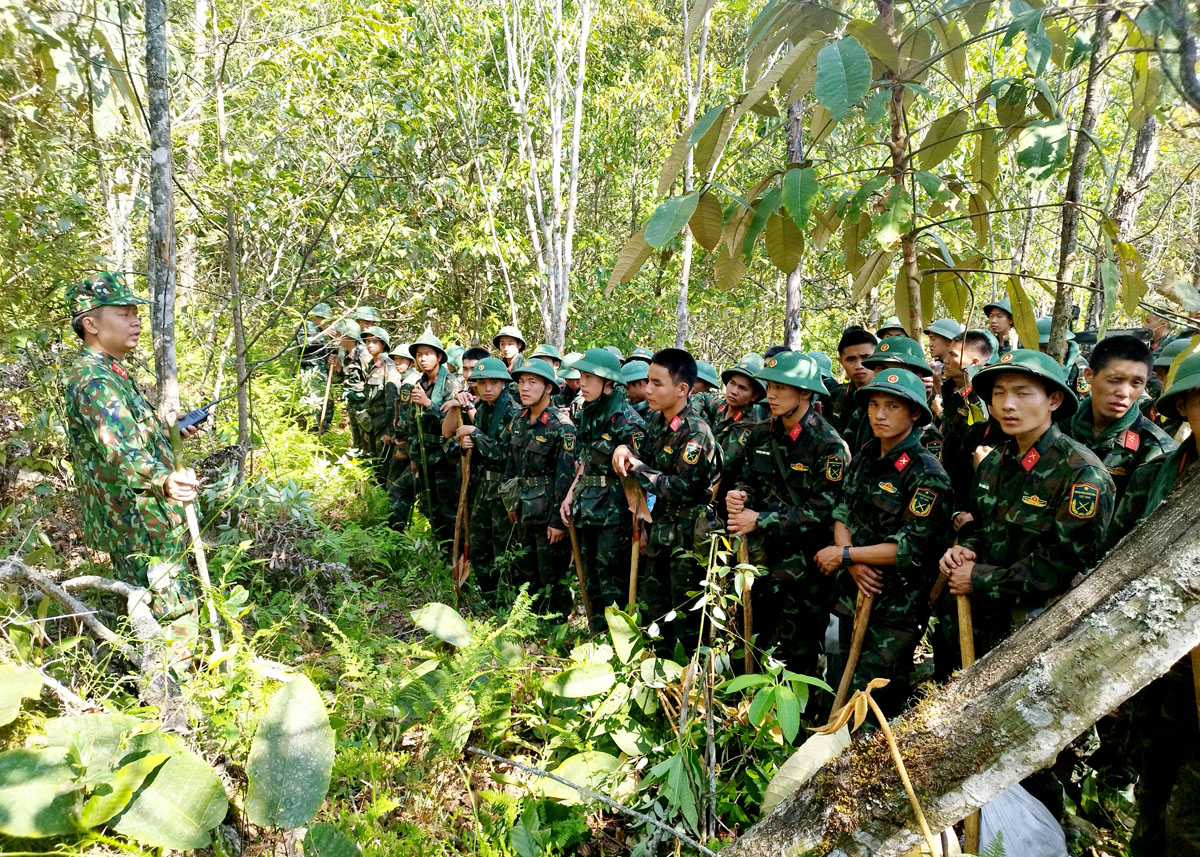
537	367
947	328
705	371
321	310
635	370
892	322
1002	304
1029	362
1043	326
365	313
490	369
106	288
1187	378
749	366
793	369
640	353
902	384
901	352
380	334
599	362
510	331
547	351
427	338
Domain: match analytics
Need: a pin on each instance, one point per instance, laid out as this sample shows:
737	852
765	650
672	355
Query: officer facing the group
129	490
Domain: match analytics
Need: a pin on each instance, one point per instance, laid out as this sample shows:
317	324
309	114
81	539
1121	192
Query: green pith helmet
380	334
635	370
1003	304
824	362
795	369
107	288
540	368
321	310
365	313
1170	351
346	327
490	369
705	371
432	341
401	350
899	352
570	357
1187	378
565	374
947	328
454	355
891	323
600	362
900	383
749	366
639	353
992	340
509	330
547	351
1030	362
1043	326
614	351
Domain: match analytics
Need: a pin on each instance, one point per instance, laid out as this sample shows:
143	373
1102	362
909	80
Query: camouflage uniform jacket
1184	456
842	408
681	467
541	458
642	409
1039	519
1132	448
860	434
491	443
121	460
598	499
312	345
375	413
705	404
354	374
900	497
1075	366
793	479
965	425
732	427
408	431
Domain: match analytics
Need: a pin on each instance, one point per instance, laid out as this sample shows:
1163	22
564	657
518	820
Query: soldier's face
375	347
489	389
635	391
532	389
1000	322
573	384
851	358
661	392
427	359
1022	403
891	417
782	399
591	385
116	329
738	391
1116	387
468	366
509	347
939	346
403	364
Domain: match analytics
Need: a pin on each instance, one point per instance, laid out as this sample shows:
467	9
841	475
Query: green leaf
955	58
115	792
813	755
942	139
669	218
1110	278
785	243
633	742
16	685
626	636
761	704
325	840
677	785
843	76
590	770
800	190
1042	148
581	681
1038	49
787	709
1133	284
38	795
291	757
875	40
443	622
707	221
766	207
658	672
744	681
872	271
934	186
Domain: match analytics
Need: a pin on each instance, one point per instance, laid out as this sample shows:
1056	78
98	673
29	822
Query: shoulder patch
1081	385
691	452
568	441
922	502
935	449
743	436
406	394
1083	500
637	438
835	467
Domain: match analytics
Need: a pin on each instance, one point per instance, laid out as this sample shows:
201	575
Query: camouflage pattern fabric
401	483
418	433
1075	366
901	497
793	479
840	407
965	421
354	381
642	409
373	416
859	434
1039	519
121	459
314	352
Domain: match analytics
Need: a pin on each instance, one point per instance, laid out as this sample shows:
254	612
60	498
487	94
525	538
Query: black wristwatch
846	562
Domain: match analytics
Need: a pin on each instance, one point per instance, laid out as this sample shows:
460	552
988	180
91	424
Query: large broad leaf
291	758
728	270
942	139
325	840
979	219
16	685
590	770
951	37
787	709
873	37
658	672
872	271
1110	278
766	207
38	795
709	147
668	219
976	15
1042	148
581	681
626	636
843	75
112	796
443	622
800	189
707	221
632	741
785	243
1024	315
813	755
629	261
1133	284
985	162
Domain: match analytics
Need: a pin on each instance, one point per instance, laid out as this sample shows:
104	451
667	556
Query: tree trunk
191	147
1069	238
795	280
1129	199
160	238
692	84
1011	713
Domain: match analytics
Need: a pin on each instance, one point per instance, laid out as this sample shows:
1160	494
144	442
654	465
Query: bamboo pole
747	607
189	511
966	644
862	614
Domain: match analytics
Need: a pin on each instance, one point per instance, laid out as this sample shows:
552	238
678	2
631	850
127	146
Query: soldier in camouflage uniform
965	419
821	400
401	358
731	420
1167	355
891	327
313	347
638	354
569	398
596	502
1076	365
855	346
539	471
374	415
130	495
1039	511
890	527
898	352
783	504
1000	322
350	366
680	465
486	432
509	343
549	353
1110	423
418	435
635	376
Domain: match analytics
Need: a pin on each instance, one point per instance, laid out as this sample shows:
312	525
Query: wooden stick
189	511
577	555
862	614
635	556
461	569
747	607
325	401
966	644
939	586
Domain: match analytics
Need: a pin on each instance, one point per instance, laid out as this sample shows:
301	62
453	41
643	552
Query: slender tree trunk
692	83
160	238
191	148
1069	238
795	280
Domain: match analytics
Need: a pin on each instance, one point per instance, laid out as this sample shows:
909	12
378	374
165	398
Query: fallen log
1012	712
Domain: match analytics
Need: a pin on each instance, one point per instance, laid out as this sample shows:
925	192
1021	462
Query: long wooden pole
635	555
862	614
189	511
577	556
966	644
325	401
459	564
747	607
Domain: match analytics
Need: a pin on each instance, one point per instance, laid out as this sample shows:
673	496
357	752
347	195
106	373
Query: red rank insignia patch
737	417
675	423
966	391
902	461
545	418
795	432
721	409
1131	440
120	370
1031	458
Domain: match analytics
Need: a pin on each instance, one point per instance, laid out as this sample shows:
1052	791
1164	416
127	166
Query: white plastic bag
1028	828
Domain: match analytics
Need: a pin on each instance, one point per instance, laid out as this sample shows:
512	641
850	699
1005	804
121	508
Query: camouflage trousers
669	571
491	535
606	557
546	568
790	614
313	398
437	496
402	493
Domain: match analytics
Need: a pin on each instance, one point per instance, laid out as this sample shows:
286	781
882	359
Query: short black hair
475	353
977	341
77	322
855	335
1121	347
773	350
680	365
